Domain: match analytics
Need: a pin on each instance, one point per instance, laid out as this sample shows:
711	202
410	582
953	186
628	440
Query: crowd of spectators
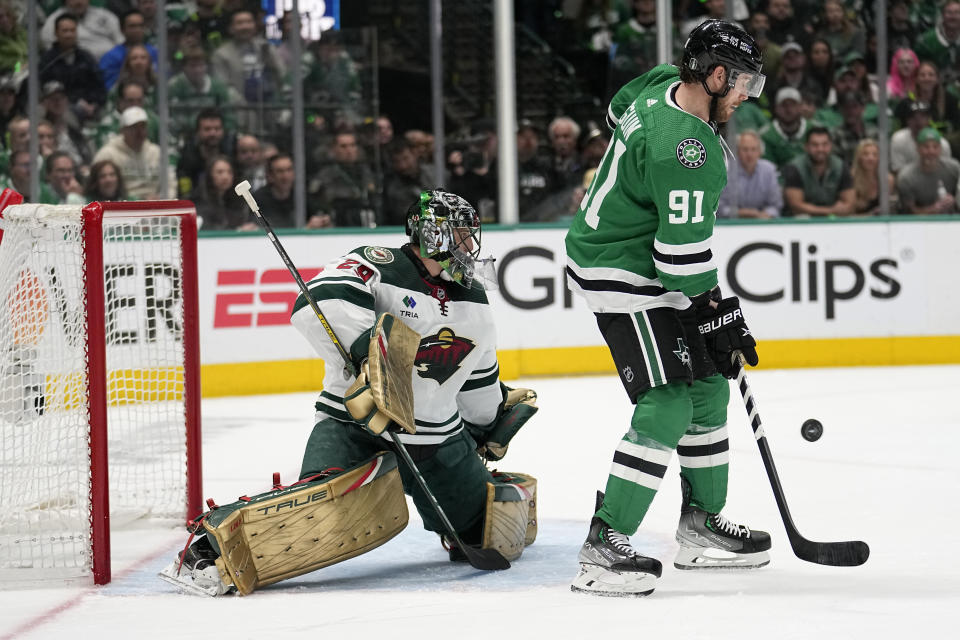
807	147
227	118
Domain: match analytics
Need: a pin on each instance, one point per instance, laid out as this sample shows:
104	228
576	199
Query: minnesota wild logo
378	255
691	153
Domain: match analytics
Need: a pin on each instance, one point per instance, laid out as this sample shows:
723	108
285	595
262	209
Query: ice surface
884	471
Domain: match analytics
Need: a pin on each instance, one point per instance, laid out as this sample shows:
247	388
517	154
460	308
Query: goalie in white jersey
350	495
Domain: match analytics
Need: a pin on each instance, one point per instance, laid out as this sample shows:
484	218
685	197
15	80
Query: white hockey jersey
456	376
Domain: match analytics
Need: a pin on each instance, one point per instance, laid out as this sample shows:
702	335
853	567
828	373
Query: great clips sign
812	278
801	280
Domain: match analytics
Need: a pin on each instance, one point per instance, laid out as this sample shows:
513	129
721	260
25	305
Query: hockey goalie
422	304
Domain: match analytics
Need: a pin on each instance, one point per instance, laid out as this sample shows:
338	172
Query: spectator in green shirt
19	179
193	90
783	139
941	44
13	38
61	175
130	93
817	183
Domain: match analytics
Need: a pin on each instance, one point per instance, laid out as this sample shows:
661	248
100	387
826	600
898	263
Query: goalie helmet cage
99	346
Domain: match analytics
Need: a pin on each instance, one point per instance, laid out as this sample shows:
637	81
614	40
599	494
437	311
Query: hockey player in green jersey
638	251
350	496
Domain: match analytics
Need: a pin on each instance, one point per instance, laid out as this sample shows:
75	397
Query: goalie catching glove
383	390
720	322
518	406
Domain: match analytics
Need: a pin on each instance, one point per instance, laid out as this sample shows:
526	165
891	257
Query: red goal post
99	379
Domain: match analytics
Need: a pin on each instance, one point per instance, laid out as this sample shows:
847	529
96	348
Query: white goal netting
47	378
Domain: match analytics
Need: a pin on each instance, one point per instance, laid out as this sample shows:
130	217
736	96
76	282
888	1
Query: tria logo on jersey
409	303
441	354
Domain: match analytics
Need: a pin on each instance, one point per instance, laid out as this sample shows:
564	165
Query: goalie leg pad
528	483
286	533
510	521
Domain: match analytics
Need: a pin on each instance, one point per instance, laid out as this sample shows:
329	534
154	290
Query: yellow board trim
288	376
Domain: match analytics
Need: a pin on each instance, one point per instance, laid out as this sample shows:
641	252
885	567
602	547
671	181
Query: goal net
99	384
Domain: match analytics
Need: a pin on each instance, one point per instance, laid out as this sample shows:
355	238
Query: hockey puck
811	430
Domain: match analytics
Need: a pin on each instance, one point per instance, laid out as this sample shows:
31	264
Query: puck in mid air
811	430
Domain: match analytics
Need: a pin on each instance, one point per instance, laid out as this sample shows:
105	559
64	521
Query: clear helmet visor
748	83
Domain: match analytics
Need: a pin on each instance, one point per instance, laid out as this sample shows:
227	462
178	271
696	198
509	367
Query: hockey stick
484	559
851	553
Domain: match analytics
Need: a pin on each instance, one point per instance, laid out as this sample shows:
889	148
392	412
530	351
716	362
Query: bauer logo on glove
716	324
726	334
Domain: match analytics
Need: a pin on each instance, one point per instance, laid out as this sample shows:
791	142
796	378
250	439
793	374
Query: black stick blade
485	559
835	554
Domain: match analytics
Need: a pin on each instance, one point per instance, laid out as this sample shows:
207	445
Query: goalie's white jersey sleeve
456	374
480	396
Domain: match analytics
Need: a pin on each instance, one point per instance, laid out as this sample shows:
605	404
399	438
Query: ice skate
710	541
609	566
198	573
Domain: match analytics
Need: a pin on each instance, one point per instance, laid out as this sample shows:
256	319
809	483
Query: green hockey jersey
664	74
641	237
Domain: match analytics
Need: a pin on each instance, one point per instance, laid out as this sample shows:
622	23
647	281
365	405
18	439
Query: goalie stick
484	559
851	553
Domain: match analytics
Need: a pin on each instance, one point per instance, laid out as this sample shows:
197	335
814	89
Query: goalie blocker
383	391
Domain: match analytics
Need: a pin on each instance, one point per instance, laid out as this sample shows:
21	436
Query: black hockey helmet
718	42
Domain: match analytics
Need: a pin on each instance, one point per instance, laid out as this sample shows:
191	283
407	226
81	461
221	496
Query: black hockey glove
725	331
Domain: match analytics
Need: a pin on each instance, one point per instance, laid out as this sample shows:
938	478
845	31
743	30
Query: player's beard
714	110
720	110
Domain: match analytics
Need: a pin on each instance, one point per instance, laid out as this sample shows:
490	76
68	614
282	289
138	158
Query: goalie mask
447	229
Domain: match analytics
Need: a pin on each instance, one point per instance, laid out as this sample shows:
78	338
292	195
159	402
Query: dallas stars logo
691	153
683	353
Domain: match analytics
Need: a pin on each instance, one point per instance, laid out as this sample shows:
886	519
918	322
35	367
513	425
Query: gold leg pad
294	531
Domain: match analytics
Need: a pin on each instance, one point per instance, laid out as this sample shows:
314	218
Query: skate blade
598	581
696	558
185	582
